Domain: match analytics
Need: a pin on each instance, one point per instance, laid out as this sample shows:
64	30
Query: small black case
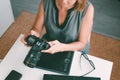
13	75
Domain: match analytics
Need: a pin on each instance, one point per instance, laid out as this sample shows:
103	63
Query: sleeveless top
69	31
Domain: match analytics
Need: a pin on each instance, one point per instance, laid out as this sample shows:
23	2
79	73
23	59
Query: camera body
34	54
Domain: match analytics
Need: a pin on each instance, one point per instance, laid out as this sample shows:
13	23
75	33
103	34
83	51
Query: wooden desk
15	57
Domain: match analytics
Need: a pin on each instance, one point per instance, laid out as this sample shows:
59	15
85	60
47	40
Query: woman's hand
56	46
32	32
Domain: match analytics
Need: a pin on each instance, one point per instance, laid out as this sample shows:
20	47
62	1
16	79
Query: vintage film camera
34	54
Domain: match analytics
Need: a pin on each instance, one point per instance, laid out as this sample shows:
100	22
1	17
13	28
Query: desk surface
15	57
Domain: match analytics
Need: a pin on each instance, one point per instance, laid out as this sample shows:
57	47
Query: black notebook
58	62
63	77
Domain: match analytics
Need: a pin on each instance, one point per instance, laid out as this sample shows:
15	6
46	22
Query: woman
68	24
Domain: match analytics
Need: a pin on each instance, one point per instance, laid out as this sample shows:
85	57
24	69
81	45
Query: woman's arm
39	21
85	30
84	34
38	24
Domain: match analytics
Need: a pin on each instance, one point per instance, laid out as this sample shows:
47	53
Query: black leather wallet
65	77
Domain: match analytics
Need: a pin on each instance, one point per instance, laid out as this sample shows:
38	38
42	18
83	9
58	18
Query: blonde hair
80	5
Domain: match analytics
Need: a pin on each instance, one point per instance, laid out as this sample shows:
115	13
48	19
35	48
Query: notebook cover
58	62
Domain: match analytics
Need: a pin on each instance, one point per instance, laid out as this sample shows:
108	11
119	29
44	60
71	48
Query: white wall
6	16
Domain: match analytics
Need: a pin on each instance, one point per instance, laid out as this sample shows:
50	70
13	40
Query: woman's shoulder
89	4
48	2
91	7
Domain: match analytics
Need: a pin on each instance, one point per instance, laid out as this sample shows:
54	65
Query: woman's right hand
31	32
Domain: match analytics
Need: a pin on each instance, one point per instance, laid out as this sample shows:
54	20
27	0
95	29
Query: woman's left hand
56	46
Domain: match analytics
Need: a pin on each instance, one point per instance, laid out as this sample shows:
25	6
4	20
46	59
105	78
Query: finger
53	42
32	32
23	40
47	51
50	43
